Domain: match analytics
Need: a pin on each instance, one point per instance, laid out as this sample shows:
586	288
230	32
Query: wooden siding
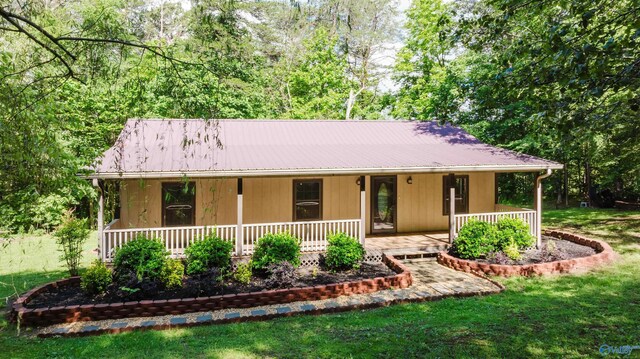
270	200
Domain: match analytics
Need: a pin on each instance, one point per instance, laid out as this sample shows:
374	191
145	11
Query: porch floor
408	243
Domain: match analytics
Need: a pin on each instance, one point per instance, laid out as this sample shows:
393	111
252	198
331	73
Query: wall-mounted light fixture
409	180
358	181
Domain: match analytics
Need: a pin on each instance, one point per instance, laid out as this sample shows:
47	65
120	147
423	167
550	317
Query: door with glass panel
383	204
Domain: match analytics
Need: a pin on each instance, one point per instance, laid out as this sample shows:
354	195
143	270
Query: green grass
559	316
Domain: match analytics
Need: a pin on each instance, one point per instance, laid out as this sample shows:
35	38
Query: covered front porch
313	234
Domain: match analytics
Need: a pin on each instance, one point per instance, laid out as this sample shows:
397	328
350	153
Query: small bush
210	252
512	251
276	248
281	275
475	239
96	279
143	256
343	252
513	230
243	273
172	274
70	237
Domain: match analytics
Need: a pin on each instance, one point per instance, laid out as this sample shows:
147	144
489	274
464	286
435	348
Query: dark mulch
203	286
552	249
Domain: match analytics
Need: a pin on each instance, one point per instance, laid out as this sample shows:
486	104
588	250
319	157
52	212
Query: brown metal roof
170	148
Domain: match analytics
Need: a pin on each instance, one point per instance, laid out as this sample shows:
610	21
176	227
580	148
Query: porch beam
538	206
452	207
363	208
239	232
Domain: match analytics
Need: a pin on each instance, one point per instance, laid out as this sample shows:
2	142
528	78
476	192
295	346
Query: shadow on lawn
621	229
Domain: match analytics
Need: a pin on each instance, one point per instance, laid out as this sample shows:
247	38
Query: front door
383	204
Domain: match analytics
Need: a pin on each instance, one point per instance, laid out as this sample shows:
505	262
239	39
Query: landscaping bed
401	278
552	249
595	253
204	286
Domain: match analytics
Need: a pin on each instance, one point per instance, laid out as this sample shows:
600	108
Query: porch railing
313	235
528	216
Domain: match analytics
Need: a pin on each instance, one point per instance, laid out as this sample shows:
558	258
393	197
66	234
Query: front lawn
570	315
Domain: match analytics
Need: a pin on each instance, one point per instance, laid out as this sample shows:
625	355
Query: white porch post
363	209
239	231
538	200
452	206
96	184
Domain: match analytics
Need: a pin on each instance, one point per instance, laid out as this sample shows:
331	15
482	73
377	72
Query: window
462	194
178	204
307	200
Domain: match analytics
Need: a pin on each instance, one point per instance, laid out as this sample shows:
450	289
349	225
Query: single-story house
179	179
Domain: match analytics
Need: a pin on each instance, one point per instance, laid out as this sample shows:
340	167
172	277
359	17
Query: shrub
281	275
70	237
513	230
96	279
143	256
210	252
172	273
475	239
276	248
343	252
511	251
243	273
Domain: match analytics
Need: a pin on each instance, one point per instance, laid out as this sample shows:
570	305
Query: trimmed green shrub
70	237
243	273
343	252
276	248
513	230
96	279
511	251
475	239
146	257
210	252
172	273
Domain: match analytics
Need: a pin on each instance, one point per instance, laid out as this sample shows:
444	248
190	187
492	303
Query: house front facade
181	179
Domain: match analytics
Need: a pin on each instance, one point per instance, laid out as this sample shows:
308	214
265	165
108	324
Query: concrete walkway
431	281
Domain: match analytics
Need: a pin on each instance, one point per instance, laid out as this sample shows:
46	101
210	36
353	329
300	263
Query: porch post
538	199
239	231
452	206
363	209
96	184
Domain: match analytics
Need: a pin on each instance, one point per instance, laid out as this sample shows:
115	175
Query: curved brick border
604	254
148	308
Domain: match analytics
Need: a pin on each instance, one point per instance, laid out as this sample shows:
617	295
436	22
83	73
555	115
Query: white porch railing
528	216
176	239
313	235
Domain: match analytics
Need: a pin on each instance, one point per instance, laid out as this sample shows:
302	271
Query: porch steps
415	253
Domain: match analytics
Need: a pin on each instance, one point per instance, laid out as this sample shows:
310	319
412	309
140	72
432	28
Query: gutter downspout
539	179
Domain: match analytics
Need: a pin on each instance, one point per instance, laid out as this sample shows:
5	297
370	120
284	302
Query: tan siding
419	206
216	201
420	203
140	203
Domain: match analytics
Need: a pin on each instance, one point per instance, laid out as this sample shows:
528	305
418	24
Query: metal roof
156	148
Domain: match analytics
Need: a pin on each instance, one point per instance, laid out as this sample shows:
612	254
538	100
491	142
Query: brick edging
148	308
604	254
